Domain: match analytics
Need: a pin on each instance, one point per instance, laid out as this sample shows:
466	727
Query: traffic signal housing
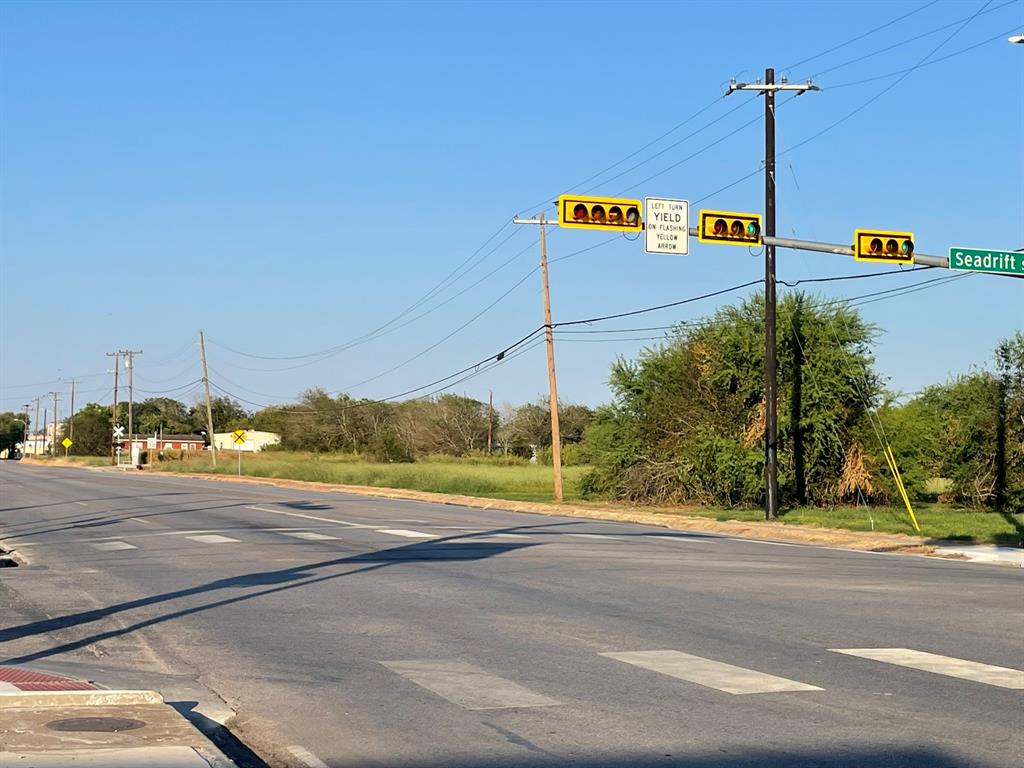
883	246
608	213
729	227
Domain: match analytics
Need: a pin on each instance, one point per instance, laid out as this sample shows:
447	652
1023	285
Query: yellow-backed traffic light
729	227
612	213
884	246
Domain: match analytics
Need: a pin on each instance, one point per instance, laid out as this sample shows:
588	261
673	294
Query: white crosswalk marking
466	685
212	538
711	674
111	546
406	533
1003	677
309	536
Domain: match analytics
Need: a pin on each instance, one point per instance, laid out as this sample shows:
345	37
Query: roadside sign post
67	443
118	435
985	260
667	226
238	438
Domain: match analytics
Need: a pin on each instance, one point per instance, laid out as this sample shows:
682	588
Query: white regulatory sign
667	225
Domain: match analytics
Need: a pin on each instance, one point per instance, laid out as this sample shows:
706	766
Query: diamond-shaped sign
118	431
66	442
238	436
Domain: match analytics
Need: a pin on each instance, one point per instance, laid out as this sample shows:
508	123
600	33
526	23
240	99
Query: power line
852	40
905	41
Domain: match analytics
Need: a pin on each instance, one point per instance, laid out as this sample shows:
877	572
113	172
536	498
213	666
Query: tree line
686	420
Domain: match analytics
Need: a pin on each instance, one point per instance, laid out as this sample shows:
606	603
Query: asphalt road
354	631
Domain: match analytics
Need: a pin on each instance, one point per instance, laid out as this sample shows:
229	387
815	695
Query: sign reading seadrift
984	260
667	225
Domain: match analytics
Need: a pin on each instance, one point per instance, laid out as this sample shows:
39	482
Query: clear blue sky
290	176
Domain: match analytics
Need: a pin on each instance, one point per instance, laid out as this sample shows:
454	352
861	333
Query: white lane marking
142	520
406	533
711	674
683	539
308	758
311	517
502	536
309	536
1003	677
111	546
466	685
81	504
593	536
212	538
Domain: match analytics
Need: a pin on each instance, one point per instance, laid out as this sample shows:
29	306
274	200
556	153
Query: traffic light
880	245
609	213
729	227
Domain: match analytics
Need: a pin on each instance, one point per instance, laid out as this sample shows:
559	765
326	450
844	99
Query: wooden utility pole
113	408
556	439
53	442
490	420
209	410
129	355
42	432
549	335
71	414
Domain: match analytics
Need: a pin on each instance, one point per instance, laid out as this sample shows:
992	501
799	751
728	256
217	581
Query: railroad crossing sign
667	226
238	436
118	431
66	442
985	260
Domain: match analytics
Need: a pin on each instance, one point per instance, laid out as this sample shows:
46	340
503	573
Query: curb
98	698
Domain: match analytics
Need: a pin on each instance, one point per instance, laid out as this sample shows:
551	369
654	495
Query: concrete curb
97	698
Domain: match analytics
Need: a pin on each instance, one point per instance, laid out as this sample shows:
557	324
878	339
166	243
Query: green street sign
983	260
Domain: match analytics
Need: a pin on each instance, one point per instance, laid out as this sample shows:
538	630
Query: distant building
254	441
35	445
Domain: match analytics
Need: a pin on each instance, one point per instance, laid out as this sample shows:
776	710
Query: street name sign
667	225
238	436
984	260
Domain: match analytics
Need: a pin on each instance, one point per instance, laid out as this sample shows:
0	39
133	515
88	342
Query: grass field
533	483
518	483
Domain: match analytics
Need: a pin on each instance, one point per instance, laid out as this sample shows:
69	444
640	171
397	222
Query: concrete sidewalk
985	553
53	721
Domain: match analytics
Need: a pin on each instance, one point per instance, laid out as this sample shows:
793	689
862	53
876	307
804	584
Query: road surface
356	631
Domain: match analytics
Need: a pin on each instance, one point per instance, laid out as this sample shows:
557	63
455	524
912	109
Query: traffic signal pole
771	403
556	437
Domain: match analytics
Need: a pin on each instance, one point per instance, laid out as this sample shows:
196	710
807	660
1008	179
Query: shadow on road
277	580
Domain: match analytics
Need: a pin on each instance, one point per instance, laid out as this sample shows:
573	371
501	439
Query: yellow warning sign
238	436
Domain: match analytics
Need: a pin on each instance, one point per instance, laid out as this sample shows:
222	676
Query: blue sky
289	177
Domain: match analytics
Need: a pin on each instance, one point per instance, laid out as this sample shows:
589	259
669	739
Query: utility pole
129	355
24	447
556	438
44	428
771	409
71	414
53	442
35	445
490	420
209	410
113	408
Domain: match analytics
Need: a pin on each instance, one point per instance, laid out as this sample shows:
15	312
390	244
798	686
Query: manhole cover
103	724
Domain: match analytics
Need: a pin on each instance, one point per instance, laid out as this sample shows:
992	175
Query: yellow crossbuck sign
238	436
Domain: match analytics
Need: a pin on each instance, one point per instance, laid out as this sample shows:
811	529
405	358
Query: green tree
168	414
12	429
687	419
93	431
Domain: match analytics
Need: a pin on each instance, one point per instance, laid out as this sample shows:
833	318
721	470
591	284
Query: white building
254	441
